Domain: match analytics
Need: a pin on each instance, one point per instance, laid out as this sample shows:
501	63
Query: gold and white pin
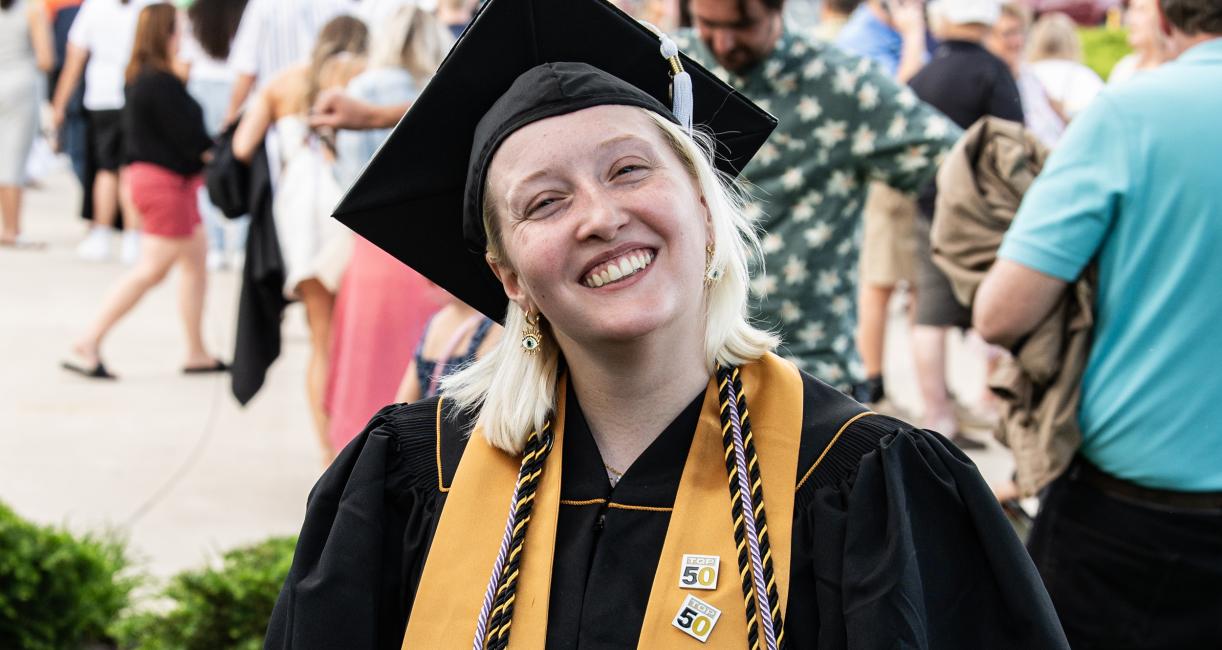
699	572
696	618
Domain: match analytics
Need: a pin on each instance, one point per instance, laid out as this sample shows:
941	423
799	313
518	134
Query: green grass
1103	47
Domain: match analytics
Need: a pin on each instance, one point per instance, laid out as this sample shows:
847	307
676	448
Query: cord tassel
682	102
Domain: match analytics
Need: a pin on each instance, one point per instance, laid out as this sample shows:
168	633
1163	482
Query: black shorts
106	140
935	300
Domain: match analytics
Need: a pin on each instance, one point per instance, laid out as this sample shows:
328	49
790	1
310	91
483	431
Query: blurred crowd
213	134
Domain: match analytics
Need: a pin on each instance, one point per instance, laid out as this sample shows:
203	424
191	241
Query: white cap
964	12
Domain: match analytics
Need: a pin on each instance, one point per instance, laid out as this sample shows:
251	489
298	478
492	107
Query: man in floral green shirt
843	123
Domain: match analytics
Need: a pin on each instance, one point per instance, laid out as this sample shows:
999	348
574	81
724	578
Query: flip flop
218	366
97	371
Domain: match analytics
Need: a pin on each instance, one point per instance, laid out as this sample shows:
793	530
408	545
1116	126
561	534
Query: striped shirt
276	34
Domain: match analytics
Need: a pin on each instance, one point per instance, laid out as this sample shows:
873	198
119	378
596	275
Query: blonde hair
1054	36
412	39
512	393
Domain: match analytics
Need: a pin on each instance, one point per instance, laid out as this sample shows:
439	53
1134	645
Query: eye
540	204
628	168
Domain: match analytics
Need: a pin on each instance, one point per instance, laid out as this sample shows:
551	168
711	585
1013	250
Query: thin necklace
613	475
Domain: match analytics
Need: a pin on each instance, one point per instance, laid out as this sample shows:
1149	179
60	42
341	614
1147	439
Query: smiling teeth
616	270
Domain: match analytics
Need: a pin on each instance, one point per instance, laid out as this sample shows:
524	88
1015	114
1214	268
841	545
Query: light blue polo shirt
1136	183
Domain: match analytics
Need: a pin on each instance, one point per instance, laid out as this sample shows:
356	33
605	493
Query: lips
618	268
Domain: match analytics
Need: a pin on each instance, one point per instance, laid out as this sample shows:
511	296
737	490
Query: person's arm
170	106
74	68
252	127
337	110
40	37
1060	227
909	18
1012	301
242	86
409	388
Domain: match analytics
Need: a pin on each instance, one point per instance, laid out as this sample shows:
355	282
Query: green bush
1103	47
227	607
58	591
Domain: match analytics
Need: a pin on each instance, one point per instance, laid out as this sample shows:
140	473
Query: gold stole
468	537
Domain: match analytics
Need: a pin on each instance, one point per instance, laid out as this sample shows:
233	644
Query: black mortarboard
414	198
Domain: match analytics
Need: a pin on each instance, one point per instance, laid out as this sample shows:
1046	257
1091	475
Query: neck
1180	42
630	392
967	33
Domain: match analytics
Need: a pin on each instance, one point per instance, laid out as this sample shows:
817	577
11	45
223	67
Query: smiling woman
631	465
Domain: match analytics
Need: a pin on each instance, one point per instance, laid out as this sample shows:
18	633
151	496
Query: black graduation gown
897	540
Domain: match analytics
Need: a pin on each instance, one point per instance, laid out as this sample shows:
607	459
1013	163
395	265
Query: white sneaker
130	250
96	245
215	260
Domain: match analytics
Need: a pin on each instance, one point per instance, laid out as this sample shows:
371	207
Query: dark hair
685	9
1194	16
151	47
842	6
214	22
5	4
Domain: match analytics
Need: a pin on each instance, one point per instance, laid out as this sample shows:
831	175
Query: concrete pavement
172	461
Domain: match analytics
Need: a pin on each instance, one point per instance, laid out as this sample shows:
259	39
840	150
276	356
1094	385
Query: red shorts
168	202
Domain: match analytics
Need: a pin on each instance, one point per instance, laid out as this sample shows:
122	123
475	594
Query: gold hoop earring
712	275
532	337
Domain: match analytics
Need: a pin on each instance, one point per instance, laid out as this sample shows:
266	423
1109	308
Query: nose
722	41
601	215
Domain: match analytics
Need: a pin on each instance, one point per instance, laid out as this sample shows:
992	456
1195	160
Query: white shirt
276	34
106	28
1070	84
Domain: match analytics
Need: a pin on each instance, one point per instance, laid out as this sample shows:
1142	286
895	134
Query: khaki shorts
888	248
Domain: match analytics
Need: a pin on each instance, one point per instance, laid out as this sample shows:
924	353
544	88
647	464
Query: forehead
569	136
726	12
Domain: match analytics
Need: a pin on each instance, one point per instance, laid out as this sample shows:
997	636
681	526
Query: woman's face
1143	24
602	228
1008	40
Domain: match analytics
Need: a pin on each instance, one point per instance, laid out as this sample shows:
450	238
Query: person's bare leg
156	257
929	353
192	289
318	304
131	216
10	212
105	199
872	326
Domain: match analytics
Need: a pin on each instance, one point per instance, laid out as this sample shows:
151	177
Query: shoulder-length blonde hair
513	393
412	39
1055	36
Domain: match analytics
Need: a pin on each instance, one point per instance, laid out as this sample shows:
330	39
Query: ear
1164	25
510	281
708	220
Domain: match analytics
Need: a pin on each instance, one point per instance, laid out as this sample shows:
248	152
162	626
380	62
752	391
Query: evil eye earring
532	337
711	275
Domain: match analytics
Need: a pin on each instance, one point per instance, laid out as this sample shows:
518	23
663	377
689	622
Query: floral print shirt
842	124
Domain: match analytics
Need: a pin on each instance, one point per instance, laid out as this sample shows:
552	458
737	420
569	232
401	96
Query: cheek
538	255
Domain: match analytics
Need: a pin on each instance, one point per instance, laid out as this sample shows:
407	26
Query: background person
1055	56
843	123
164	142
966	83
382	306
313	245
1145	37
1129	539
210	79
25	48
99	48
1008	41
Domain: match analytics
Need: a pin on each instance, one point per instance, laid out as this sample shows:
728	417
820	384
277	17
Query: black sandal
97	371
217	366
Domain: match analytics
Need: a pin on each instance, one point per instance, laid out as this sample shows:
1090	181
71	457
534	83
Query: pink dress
380	313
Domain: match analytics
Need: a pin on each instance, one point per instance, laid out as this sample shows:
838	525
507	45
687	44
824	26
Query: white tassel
682	104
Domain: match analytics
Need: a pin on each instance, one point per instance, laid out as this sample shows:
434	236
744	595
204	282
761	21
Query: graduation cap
520	61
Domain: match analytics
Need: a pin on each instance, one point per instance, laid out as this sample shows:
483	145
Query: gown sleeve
368	525
909	549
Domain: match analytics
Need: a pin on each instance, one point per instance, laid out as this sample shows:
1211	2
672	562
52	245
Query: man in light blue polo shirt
1129	540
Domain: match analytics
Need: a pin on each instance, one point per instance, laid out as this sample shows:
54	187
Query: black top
966	82
163	124
897	541
519	61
